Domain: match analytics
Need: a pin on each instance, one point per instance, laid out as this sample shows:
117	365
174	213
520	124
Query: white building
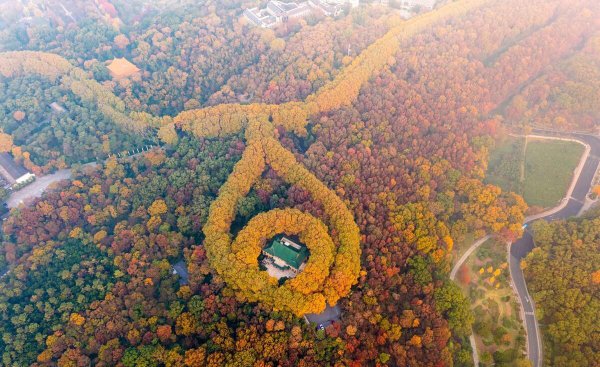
412	5
57	107
26	177
353	3
331	8
277	12
13	172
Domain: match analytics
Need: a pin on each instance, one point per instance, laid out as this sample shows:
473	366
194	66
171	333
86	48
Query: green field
540	171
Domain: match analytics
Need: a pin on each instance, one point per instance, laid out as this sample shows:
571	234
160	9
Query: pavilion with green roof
286	253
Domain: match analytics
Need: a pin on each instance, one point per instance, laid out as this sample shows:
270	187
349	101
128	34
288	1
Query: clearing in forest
540	170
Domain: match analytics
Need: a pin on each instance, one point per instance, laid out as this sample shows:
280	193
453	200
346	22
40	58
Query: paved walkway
466	255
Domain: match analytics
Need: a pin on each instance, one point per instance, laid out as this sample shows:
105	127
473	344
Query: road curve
570	206
466	255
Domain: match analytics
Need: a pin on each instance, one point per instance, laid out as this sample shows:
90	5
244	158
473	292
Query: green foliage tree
560	276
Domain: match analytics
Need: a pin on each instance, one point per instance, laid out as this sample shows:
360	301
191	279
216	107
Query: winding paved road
518	250
571	206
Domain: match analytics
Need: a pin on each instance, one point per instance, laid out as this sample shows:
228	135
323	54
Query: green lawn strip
549	166
498	329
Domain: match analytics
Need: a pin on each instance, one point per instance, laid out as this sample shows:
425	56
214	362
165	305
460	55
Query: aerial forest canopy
223	119
563	275
366	134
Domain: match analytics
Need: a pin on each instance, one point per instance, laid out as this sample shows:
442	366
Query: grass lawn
498	330
504	167
549	166
541	172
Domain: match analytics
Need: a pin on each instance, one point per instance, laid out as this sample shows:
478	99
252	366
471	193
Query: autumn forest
192	138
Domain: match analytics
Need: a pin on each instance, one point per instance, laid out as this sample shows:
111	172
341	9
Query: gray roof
292	9
260	17
276	11
328	7
250	15
56	107
269	21
11	167
299	11
429	4
181	270
275	7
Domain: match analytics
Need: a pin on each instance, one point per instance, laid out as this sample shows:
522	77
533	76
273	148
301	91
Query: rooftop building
353	3
281	10
328	8
277	12
180	269
285	255
417	4
260	18
57	107
13	173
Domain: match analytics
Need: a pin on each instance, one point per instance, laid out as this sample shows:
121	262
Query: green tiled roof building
286	253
